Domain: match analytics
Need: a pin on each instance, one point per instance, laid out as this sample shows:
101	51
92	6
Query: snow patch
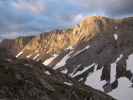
64	71
68	83
62	62
47	72
130	63
123	91
29	56
94	80
49	60
82	71
113	68
20	53
81	79
36	56
115	36
113	72
38	59
69	48
80	51
119	58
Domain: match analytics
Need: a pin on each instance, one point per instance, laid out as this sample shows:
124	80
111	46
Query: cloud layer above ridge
43	15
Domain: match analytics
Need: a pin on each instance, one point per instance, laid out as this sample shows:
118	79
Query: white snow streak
113	68
36	56
69	48
80	51
67	83
130	63
115	36
113	72
64	71
29	56
47	72
20	53
62	62
82	71
49	60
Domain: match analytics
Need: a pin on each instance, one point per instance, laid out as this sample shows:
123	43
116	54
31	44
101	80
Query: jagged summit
93	25
55	42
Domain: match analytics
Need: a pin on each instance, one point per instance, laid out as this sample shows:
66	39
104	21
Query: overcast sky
33	16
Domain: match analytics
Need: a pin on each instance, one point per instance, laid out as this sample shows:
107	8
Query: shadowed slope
28	80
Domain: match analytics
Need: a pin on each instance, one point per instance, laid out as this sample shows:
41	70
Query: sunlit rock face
56	41
94	25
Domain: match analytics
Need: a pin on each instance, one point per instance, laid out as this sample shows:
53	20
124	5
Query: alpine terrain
92	61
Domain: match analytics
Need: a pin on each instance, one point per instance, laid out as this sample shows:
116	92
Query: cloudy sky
33	16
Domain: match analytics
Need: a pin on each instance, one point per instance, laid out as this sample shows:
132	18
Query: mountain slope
96	53
22	79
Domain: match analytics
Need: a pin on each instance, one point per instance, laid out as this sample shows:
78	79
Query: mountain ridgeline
14	46
95	53
49	43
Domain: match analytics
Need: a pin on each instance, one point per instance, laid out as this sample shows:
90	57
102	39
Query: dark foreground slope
28	80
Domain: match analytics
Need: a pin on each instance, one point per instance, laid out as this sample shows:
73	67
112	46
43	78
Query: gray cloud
119	8
43	15
114	8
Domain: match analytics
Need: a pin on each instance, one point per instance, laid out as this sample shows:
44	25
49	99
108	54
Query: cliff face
55	42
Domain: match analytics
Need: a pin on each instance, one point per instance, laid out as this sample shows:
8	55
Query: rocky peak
93	25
